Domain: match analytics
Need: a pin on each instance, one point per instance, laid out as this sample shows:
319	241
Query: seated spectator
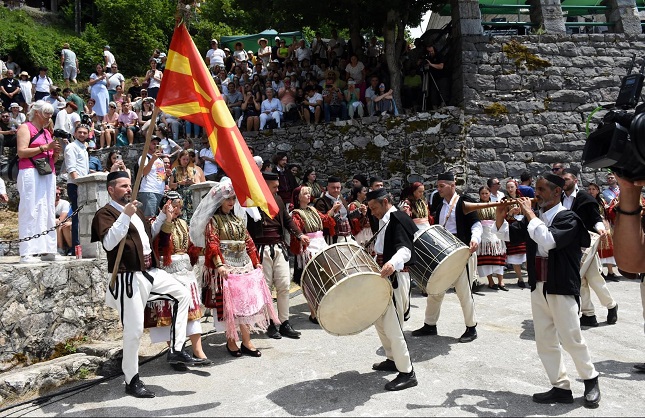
95	162
271	109
370	93
109	126
312	105
70	96
114	162
119	98
63	233
169	147
384	101
287	95
7	133
128	123
134	92
137	103
264	52
333	102
353	99
10	90
356	71
251	110
114	79
4	197
192	130
172	125
68	119
144	116
234	99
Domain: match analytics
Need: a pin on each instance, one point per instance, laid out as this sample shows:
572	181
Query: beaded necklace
179	235
311	219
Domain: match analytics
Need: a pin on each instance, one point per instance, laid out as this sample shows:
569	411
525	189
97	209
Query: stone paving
323	375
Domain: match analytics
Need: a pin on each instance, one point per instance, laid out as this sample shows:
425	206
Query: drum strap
453	202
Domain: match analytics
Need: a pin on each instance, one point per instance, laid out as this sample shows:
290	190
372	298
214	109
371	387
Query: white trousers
390	326
36	211
277	273
594	280
264	117
556	324
463	289
643	303
129	297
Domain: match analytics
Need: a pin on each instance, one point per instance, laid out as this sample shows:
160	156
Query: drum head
447	272
354	304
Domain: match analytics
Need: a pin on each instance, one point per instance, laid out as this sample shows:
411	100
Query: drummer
398	253
450	214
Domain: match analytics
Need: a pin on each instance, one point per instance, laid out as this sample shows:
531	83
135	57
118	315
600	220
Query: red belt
541	268
379	261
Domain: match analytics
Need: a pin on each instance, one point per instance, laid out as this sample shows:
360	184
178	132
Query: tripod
427	76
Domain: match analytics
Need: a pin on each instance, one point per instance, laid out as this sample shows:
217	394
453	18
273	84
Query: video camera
60	133
619	141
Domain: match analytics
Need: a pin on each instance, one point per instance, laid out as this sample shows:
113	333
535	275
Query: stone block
481	130
492	169
506	131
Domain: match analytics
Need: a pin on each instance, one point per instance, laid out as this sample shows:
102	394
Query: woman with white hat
16	117
26	88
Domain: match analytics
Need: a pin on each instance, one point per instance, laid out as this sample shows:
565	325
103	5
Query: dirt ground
8	224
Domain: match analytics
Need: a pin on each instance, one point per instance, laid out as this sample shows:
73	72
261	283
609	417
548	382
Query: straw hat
262	39
12	105
24	73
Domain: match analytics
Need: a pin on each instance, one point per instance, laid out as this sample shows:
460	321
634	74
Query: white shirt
216	57
209	167
3	187
155	180
119	229
538	230
497	197
114	80
314	99
271	106
62	207
76	160
402	255
167	145
567	202
110	58
451	224
343	210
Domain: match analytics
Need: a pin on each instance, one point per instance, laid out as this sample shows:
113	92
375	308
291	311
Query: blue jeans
72	194
335	111
193	130
150	202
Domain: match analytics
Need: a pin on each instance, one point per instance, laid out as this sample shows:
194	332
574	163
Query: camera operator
629	238
77	165
433	66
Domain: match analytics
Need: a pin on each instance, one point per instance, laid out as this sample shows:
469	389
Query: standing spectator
78	165
264	52
10	90
69	64
233	99
37	191
356	70
525	187
108	57
239	54
302	52
7	133
286	180
335	46
144	115
10	64
128	124
68	119
26	88
153	182
211	170
153	78
99	91
318	47
70	96
612	191
114	80
41	84
134	91
495	193
215	56
271	109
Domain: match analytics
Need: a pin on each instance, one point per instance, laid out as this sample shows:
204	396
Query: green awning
570	7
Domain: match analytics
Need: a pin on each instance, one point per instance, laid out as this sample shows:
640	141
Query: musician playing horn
139	279
553	240
450	214
585	206
393	258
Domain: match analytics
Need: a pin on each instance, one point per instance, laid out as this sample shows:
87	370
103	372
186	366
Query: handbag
42	165
9	170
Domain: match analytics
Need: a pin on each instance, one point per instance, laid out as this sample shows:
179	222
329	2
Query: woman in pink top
36	211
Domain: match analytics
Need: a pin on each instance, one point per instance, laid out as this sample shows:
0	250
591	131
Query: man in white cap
215	56
108	57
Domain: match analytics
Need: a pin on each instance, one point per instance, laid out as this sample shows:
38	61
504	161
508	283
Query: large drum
440	259
343	284
589	255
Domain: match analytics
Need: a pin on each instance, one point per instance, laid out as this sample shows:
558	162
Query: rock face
46	304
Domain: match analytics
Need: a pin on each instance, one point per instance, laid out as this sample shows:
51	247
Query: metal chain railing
45	232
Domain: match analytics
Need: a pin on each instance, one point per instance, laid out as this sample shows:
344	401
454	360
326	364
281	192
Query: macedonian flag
189	92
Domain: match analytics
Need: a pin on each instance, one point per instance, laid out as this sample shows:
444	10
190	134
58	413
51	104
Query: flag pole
135	189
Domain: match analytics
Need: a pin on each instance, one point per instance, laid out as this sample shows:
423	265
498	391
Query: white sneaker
52	257
29	259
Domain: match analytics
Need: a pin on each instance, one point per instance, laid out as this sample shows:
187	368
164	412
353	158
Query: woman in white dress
99	92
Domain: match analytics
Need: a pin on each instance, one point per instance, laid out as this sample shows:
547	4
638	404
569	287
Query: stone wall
526	99
46	304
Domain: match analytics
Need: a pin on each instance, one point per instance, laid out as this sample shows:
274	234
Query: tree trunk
393	52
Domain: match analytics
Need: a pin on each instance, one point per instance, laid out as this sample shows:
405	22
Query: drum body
590	255
441	257
343	285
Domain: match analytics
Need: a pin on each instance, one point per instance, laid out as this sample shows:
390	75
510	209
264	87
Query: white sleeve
539	232
599	226
401	257
156	225
503	232
3	187
117	232
476	232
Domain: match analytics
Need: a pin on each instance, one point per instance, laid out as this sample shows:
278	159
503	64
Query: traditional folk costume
399	251
466	227
342	231
553	244
586	207
310	222
419	212
174	244
316	190
359	224
243	298
515	251
606	246
139	280
491	253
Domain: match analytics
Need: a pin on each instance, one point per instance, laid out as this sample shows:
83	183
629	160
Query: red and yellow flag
189	92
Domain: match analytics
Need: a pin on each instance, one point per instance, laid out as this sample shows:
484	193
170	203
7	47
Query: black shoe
175	357
521	284
504	288
425	330
640	367
272	332
613	277
249	352
202	361
588	321
555	395
385	366
180	367
402	381
612	315
592	393
313	320
493	286
469	335
137	389
287	330
234	353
